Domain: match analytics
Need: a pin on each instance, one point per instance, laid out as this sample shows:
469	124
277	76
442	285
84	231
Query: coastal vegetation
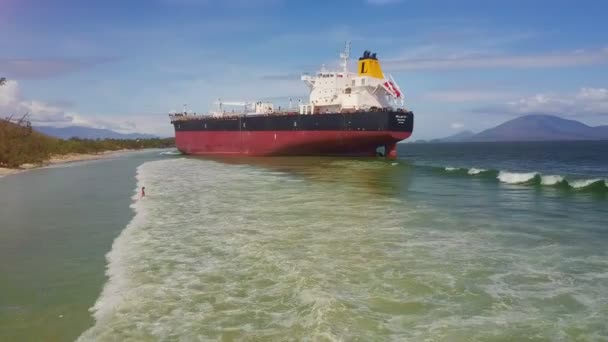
20	144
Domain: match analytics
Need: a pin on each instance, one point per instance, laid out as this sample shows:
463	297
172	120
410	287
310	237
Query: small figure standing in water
143	191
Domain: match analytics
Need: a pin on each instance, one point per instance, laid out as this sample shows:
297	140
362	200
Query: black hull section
392	121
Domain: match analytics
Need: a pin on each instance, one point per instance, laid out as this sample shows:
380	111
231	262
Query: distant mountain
541	128
88	133
458	137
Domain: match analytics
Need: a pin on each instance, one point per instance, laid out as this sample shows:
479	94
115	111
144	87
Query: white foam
474	171
515	177
583	183
551	179
117	270
171	153
223	251
449	168
185	254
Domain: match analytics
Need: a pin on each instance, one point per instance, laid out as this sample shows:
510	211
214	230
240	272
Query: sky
462	65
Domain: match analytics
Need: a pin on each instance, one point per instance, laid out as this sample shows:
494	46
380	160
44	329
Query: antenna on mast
344	56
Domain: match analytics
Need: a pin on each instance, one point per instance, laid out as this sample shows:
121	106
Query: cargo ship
348	113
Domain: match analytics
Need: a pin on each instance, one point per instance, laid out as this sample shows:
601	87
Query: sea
451	242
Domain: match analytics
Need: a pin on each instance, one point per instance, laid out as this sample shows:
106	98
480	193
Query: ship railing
232	116
228	115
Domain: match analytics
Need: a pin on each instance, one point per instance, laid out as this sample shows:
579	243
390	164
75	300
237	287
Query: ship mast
344	56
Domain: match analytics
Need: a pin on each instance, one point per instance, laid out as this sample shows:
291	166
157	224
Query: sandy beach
5	172
62	159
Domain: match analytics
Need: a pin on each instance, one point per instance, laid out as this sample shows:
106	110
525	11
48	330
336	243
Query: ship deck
234	115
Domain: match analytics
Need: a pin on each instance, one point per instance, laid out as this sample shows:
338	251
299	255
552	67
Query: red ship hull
268	143
359	133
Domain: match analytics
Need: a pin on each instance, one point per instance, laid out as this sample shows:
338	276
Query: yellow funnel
370	66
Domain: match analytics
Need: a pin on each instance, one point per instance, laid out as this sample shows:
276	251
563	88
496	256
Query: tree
2	81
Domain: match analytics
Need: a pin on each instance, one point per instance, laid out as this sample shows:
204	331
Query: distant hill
458	137
541	128
88	133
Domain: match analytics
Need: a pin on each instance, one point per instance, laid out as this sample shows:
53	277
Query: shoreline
65	159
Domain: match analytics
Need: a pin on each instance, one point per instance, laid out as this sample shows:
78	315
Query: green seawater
453	242
56	225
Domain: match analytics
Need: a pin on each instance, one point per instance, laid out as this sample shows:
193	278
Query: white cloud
43	113
554	60
542	103
457	125
466	95
9	93
587	101
12	103
593	94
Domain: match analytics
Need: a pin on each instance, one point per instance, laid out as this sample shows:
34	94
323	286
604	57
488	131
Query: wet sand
62	159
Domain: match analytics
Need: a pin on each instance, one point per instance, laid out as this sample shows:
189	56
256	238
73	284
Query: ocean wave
516	178
536	178
117	270
551	179
475	171
588	183
533	178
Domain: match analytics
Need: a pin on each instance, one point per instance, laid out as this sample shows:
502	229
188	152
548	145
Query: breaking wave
536	178
474	171
471	171
516	178
532	178
551	180
589	183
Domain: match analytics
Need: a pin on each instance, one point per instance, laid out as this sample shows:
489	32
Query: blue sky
467	64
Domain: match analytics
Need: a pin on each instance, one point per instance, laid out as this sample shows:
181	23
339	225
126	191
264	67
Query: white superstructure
338	91
344	91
